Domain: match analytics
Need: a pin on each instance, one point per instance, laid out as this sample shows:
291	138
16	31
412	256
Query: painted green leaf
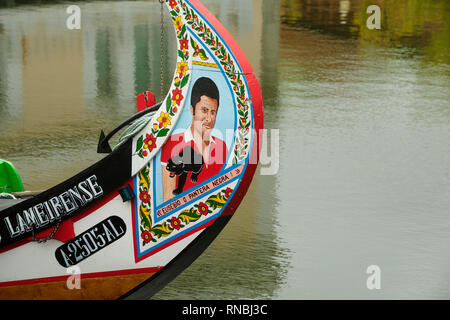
181	54
163	132
144	220
168	103
184	81
139	143
203	55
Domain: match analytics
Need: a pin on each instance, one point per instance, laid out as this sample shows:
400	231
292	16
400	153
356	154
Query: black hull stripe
110	172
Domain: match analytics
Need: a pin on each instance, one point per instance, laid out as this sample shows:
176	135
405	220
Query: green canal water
360	119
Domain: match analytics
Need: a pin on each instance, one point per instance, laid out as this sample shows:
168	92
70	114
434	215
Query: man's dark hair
204	87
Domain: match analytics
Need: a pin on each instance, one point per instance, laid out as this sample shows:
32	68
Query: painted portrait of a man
195	155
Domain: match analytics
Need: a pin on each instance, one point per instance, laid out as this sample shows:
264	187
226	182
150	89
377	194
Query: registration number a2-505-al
91	241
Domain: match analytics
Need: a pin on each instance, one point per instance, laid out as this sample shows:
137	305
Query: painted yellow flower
164	119
182	67
177	22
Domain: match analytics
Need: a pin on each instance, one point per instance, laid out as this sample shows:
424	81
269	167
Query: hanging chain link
162	50
42	240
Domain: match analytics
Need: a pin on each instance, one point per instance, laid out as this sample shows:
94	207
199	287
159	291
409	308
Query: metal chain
42	240
162	49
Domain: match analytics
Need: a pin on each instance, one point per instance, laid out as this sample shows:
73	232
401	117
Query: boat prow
130	223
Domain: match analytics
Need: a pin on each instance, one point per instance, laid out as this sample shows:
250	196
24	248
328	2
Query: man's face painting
204	117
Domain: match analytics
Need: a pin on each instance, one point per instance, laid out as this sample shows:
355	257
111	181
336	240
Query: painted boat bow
150	240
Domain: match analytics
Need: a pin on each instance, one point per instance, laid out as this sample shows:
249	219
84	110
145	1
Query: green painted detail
9	178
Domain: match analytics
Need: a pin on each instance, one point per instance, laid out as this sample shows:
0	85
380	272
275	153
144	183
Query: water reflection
418	24
54	79
370	151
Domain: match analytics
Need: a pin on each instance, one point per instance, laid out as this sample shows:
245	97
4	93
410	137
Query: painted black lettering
92	245
29	217
67	203
108	233
13	233
40	214
118	234
91	241
22	224
57	207
68	262
96	189
85	252
73	249
98	236
75	195
87	196
49	211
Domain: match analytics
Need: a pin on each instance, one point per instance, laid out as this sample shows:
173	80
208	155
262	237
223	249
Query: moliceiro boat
134	220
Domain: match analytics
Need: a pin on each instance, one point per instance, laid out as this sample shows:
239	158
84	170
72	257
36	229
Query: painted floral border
233	74
160	128
147	142
151	233
162	123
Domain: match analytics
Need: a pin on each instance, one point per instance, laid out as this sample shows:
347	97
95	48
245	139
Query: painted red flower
146	236
144	196
176	96
172	3
175	223
184	44
203	208
196	51
228	192
150	142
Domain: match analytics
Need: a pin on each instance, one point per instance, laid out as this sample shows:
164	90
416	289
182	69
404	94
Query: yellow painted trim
206	64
